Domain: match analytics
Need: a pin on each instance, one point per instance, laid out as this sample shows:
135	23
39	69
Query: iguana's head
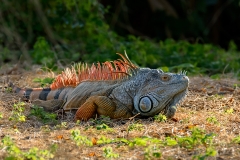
156	91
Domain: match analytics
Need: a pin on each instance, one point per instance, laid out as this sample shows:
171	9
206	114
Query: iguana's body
110	90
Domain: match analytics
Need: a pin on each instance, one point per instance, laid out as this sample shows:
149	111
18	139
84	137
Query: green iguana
118	89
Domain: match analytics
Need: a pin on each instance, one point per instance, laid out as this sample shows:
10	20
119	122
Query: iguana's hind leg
101	105
49	105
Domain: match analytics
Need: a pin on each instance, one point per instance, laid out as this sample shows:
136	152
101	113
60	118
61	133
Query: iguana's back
84	90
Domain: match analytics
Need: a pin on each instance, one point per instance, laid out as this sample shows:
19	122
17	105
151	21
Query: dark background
205	21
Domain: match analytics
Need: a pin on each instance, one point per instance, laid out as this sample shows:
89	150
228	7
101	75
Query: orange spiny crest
109	70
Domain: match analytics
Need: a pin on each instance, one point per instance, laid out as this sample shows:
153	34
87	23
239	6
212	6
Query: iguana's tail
40	93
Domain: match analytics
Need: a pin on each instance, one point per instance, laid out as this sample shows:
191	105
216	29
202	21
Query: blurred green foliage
63	31
42	53
206	21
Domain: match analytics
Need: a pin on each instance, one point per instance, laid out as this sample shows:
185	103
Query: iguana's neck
125	93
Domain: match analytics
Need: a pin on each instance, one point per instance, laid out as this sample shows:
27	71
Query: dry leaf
92	154
94	141
191	126
226	89
231	100
175	119
59	137
203	90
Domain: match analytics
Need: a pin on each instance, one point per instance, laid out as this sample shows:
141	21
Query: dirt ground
206	106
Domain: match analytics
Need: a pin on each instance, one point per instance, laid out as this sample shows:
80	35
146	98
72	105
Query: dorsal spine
109	70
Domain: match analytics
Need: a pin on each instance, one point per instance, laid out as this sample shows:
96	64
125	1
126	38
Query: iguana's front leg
170	112
101	105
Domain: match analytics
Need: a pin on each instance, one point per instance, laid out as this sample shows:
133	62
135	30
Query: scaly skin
146	92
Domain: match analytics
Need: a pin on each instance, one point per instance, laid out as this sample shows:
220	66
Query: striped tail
40	93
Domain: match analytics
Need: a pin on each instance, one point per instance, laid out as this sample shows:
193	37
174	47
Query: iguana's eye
165	77
145	104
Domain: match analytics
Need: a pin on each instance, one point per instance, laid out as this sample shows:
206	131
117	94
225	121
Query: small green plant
108	153
34	153
101	120
1	115
104	140
198	137
103	126
170	141
44	116
236	140
210	152
139	141
17	112
44	82
215	76
212	119
9	89
235	85
160	118
102	123
78	122
10	147
135	126
152	152
63	125
229	111
79	139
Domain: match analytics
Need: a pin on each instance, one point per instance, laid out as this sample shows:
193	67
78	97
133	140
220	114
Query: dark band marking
27	93
58	93
64	95
43	95
17	90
